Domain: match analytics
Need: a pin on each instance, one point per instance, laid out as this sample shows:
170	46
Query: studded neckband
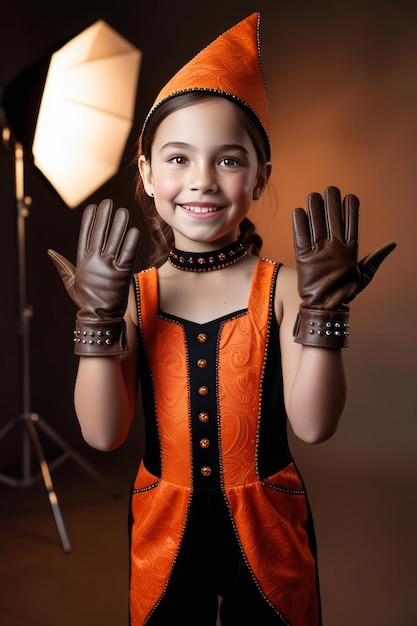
207	261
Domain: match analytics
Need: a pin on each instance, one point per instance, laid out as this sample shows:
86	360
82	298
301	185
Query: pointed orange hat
230	67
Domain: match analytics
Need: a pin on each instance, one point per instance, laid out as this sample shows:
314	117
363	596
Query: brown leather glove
326	241
99	284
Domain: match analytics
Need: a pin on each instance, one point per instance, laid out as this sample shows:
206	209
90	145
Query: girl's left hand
326	249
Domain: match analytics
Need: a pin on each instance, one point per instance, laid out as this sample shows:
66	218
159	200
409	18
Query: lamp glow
86	111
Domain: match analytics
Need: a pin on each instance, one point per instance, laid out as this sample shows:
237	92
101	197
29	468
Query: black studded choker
206	261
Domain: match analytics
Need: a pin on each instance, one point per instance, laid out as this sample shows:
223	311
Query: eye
229	162
178	159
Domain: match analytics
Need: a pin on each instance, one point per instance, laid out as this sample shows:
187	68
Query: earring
257	193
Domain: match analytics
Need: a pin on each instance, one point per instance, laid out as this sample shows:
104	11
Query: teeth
200	209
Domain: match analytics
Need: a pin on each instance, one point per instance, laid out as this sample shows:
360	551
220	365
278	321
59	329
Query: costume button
202	363
204	443
202	337
203	390
206	470
203	416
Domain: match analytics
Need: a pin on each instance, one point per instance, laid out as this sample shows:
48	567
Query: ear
145	171
261	181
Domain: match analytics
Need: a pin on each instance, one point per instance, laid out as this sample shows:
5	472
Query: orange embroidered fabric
270	514
159	516
270	520
241	354
159	505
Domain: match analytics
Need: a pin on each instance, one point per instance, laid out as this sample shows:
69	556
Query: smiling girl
227	347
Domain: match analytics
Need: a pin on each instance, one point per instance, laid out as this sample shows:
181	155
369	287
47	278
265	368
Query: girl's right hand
99	283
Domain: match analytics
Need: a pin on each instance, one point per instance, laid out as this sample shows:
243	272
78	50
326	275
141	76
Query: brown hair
160	232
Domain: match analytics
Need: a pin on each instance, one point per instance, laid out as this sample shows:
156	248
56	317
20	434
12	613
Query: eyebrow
182	145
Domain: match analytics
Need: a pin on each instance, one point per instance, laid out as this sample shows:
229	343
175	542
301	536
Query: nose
203	178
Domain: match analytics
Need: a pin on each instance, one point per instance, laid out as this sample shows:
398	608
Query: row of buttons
203	416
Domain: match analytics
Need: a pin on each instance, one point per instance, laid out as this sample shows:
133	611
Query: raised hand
326	241
99	283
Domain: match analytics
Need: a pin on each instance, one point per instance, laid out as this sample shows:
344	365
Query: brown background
341	79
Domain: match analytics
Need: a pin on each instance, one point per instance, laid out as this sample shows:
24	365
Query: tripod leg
49	485
77	457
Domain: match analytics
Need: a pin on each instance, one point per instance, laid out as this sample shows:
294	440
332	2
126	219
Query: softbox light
86	111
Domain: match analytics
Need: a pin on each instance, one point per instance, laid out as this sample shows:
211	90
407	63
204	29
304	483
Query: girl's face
203	173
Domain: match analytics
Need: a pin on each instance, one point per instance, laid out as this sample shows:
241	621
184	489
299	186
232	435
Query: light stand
82	124
29	421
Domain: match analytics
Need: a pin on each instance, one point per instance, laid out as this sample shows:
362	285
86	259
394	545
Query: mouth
200	208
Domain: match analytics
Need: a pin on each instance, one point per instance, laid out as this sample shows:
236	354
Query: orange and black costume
218	506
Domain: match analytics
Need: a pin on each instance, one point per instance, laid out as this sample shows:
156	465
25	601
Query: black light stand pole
32	421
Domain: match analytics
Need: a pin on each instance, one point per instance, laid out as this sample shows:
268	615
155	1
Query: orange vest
253	467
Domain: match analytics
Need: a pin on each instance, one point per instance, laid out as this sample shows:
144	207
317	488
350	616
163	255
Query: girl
224	349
